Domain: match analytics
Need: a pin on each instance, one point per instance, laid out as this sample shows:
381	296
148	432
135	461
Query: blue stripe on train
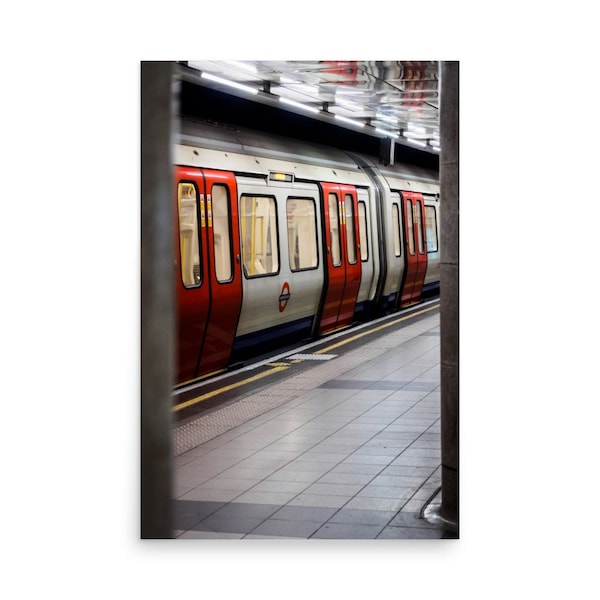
254	344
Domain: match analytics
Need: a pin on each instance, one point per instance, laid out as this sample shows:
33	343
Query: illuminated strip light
311	109
414	134
229	83
350	121
388	133
416	142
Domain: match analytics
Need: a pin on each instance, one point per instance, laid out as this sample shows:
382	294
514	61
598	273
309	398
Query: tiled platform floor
349	449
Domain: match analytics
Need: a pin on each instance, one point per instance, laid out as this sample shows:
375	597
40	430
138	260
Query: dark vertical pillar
157	296
449	288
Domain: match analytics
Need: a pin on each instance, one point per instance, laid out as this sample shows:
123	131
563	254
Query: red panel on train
416	248
208	280
343	262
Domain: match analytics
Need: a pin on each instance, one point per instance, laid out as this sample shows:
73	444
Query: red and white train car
280	240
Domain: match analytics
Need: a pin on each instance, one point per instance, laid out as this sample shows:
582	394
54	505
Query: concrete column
158	87
449	130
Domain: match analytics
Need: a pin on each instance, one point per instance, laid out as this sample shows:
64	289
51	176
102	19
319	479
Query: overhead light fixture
416	142
233	84
311	109
414	135
387	133
350	121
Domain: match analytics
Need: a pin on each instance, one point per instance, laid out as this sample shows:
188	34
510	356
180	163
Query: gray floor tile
409	481
345	531
304	513
208	535
334	489
410	533
187	513
371	503
211	495
281	528
279	498
346	467
354	478
362	516
319	501
245	473
227	483
287	474
387	491
246	510
272	485
221	524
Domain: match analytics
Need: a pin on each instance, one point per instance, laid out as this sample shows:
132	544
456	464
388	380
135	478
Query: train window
302	233
187	203
396	228
334	230
431	229
350	227
417	216
409	228
362	230
260	247
221	233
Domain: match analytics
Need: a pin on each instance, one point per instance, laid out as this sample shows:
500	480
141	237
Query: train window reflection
431	229
410	232
187	204
362	231
334	230
396	228
260	247
418	223
350	226
302	233
221	233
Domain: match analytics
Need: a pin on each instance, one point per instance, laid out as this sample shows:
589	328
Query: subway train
280	240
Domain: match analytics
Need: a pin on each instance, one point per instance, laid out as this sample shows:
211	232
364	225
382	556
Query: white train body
317	239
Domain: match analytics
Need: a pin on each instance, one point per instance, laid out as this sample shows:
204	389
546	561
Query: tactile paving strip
205	428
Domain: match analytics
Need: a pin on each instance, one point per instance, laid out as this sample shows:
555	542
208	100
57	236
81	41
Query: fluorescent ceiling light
414	135
417	143
232	84
298	105
388	133
351	121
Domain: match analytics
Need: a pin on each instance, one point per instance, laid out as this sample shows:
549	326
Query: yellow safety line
359	335
227	388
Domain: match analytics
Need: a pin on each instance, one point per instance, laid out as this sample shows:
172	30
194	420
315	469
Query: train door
223	242
343	268
416	249
209	291
191	280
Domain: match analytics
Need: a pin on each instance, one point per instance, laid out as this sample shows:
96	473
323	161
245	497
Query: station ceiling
396	100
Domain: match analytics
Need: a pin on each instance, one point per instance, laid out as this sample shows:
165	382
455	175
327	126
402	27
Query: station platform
346	447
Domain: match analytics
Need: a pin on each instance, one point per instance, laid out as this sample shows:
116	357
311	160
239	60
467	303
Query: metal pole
157	296
449	134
